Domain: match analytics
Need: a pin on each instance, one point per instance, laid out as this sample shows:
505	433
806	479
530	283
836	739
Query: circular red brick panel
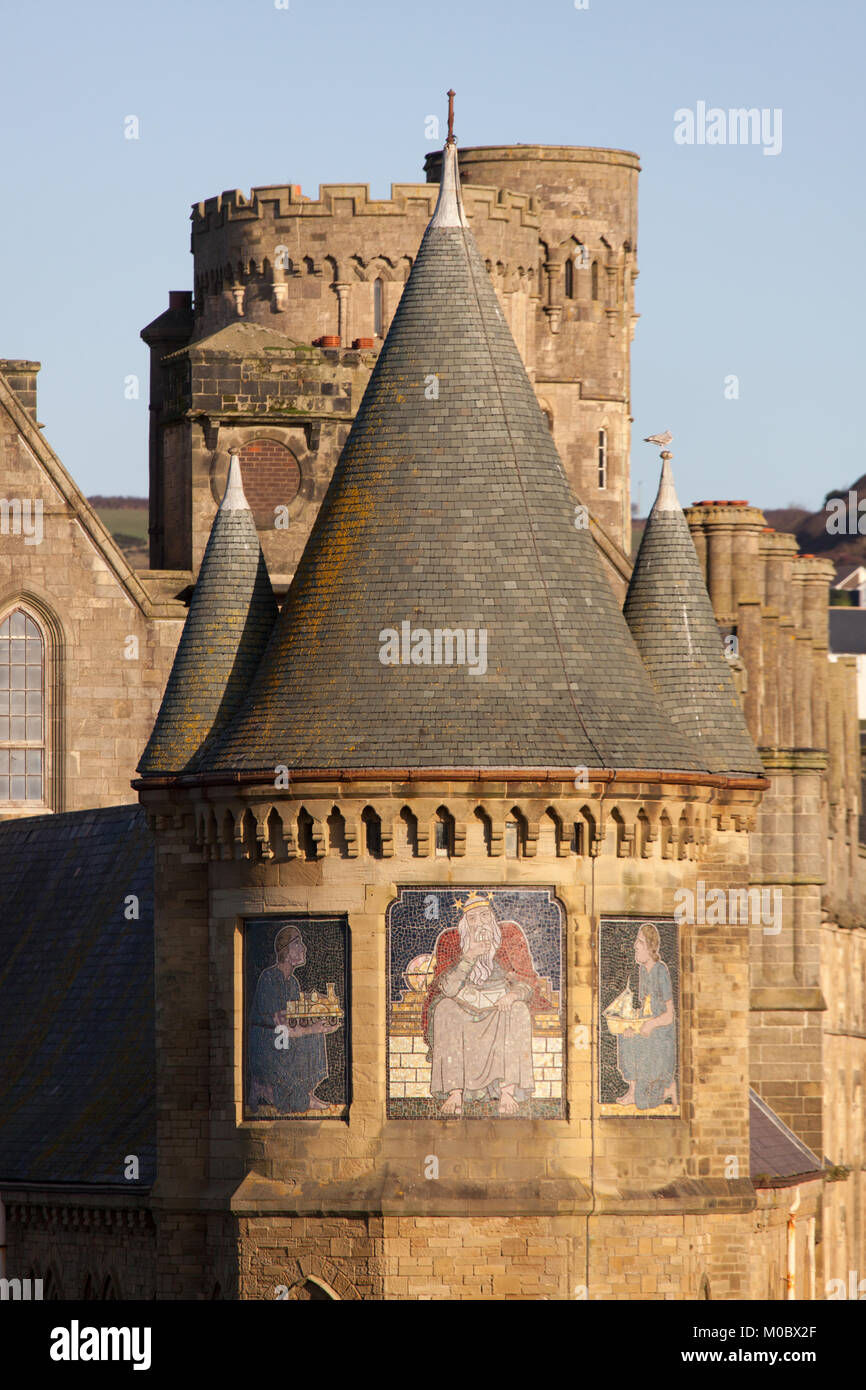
271	478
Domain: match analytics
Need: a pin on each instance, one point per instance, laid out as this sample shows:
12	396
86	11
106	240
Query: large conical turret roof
449	510
230	619
671	617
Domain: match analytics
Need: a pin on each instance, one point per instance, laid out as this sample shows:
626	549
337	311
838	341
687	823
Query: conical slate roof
671	617
449	509
227	628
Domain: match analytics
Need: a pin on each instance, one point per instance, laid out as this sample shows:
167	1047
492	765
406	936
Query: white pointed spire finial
666	499
449	207
233	497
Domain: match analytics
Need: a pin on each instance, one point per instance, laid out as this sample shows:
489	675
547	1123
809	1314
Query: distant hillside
127	520
811	529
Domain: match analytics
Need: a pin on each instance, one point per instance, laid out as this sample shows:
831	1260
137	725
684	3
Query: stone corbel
459	838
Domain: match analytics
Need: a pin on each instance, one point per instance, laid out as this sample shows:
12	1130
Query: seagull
663	440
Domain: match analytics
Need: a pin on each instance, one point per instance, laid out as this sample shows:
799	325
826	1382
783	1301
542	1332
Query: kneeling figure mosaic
296	1023
639	980
475	1018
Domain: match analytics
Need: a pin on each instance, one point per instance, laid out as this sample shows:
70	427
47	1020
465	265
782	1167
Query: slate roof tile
76	998
230	619
450	514
670	615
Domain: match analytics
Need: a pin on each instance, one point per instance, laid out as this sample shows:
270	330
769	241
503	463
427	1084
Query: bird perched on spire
663	440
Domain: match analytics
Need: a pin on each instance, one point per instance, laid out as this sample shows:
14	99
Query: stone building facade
102	635
557	227
599	773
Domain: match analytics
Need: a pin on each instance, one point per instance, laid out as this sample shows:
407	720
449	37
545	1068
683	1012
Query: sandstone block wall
108	647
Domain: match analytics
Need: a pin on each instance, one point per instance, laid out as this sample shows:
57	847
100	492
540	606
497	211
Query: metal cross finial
451	96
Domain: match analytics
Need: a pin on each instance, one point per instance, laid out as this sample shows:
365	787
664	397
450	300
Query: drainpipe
791	1269
811	1259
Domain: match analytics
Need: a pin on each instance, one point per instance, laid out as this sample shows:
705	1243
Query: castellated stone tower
426	1024
293	298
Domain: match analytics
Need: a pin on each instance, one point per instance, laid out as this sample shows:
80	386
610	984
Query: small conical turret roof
671	617
449	528
230	619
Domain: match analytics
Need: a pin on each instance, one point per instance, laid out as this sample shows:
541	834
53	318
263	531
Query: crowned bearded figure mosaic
488	1024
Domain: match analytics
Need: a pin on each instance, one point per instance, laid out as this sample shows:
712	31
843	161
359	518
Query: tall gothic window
594	279
569	278
22	709
602	458
378	316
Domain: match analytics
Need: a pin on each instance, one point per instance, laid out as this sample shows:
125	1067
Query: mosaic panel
296	1018
639	1006
475	1003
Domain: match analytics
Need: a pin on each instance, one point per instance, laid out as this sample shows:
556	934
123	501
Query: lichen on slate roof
230	619
671	618
76	998
450	509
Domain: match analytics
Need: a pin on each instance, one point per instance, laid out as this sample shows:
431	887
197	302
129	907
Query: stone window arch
516	834
409	822
372	823
312	1288
486	829
30	707
443	833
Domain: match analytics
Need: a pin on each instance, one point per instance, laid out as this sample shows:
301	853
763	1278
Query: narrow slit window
602	458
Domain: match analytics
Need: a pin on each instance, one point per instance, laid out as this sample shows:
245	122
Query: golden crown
474	900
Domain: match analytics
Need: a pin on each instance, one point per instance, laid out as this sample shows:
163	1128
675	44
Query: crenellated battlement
277	202
556	227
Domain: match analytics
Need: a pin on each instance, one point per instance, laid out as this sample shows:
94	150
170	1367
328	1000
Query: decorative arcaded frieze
316	827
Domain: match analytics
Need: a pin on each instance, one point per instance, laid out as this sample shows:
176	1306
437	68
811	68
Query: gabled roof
239	339
76	998
230	619
450	510
94	528
669	612
774	1149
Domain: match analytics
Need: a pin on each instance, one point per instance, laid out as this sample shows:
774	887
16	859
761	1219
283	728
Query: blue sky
751	264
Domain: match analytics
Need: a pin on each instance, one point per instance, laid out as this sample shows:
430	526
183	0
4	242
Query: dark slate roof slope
774	1149
671	618
847	631
449	509
227	628
76	999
